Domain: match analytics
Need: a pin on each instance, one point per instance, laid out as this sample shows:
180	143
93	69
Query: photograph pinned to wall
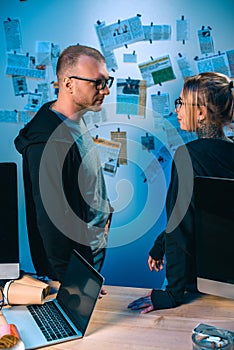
121	137
34	102
19	85
157	32
13	35
109	55
161	103
147	142
109	154
182	29
131	97
205	40
157	71
213	63
184	66
121	33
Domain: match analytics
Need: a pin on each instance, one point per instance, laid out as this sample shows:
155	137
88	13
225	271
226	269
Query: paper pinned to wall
34	101
13	35
25	116
157	71
19	64
130	58
121	33
121	137
111	62
182	29
43	52
214	63
230	58
161	103
109	154
205	41
19	85
184	66
55	52
157	32
7	116
147	142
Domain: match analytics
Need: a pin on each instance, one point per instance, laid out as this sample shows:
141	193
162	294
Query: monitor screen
215	235
9	244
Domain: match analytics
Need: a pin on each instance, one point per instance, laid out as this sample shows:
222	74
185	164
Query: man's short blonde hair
70	57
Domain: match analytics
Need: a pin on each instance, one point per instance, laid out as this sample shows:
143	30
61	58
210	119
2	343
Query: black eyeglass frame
178	103
103	82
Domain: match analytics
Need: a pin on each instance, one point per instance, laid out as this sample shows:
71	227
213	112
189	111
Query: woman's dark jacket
201	157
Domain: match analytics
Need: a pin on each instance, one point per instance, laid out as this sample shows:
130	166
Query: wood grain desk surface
115	327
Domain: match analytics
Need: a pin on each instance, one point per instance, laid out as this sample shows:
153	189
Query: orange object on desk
9	329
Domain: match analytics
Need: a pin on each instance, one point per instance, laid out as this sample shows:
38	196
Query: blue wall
139	215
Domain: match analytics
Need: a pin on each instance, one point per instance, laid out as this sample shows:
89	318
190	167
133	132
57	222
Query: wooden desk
114	327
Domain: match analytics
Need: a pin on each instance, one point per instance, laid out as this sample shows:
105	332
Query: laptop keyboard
50	321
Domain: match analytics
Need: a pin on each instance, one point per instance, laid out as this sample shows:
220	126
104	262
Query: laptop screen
79	291
215	235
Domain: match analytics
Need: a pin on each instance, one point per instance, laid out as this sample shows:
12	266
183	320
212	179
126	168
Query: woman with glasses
205	105
67	205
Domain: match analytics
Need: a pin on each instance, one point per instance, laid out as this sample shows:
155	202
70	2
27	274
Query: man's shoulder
45	118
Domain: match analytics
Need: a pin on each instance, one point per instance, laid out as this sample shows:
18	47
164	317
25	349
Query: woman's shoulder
201	148
209	143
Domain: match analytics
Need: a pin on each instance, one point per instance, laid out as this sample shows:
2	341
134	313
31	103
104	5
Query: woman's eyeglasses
99	83
178	103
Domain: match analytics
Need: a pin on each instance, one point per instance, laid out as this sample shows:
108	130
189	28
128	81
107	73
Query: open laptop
9	237
215	235
74	303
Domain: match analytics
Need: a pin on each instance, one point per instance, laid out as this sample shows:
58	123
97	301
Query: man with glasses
67	205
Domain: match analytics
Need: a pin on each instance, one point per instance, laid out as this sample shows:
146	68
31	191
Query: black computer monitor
9	238
214	203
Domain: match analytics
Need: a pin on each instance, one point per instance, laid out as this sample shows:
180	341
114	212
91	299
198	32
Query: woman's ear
202	113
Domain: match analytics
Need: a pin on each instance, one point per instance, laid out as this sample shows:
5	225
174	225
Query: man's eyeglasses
99	83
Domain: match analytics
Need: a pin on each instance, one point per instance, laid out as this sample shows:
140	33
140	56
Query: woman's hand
144	303
156	265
